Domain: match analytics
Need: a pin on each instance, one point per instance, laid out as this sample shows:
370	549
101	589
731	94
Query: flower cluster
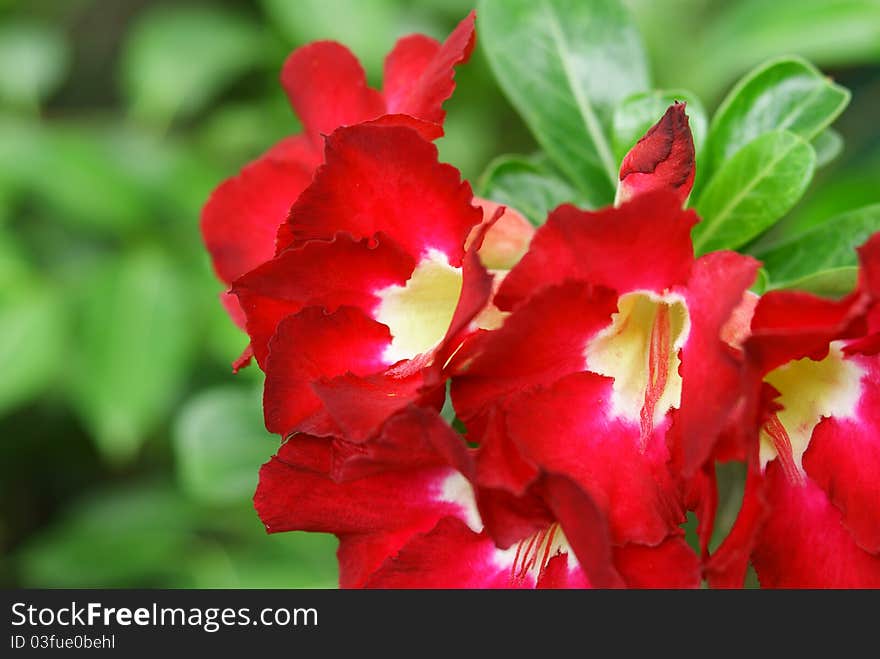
467	401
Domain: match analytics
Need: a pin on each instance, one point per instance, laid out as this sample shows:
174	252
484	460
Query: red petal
544	340
500	464
419	73
233	308
559	575
310	345
377	515
585	527
327	274
242	216
401	190
662	159
427	129
295	493
804	543
360	405
509	518
710	371
414	438
790	325
450	556
476	291
644	244
327	88
843	458
671	564
568	429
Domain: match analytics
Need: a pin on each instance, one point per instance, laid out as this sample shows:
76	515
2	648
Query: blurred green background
128	450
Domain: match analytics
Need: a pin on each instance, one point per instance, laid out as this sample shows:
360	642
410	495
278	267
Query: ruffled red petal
378	514
450	556
543	341
644	244
568	428
790	325
843	458
402	191
419	72
710	370
242	216
360	405
413	438
327	88
804	543
671	564
331	274
311	345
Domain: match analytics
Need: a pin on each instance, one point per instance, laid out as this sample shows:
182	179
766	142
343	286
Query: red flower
406	514
662	160
809	517
327	89
611	369
372	289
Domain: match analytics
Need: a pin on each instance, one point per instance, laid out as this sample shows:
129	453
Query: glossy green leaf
521	183
178	59
829	32
636	114
753	190
851	186
785	94
565	65
35	59
133	348
826	248
220	442
828	145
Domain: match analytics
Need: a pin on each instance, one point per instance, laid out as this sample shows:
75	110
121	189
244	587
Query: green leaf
835	282
178	59
33	324
636	114
828	145
523	184
74	171
753	190
565	65
827	249
134	344
220	442
784	94
762	282
829	32
123	537
35	60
